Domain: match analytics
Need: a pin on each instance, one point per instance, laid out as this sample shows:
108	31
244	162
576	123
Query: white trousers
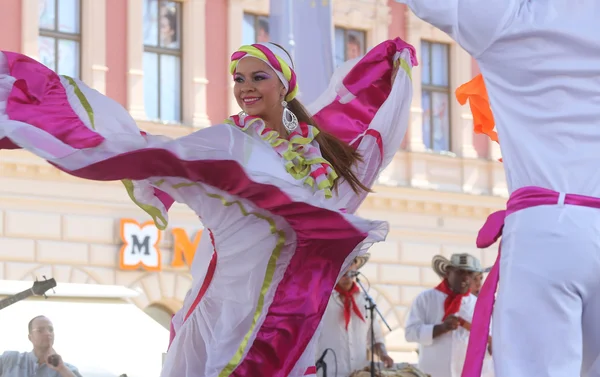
547	314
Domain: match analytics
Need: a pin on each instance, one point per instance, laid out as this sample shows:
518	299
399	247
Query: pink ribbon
491	231
488	235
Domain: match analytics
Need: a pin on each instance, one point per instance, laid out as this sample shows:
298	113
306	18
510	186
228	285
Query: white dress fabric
277	245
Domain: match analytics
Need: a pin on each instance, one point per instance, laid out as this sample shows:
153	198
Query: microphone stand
321	364
372	308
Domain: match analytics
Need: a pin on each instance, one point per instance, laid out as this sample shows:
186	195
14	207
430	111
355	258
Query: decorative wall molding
72	275
385	305
252	6
167	289
422	206
439	203
361	14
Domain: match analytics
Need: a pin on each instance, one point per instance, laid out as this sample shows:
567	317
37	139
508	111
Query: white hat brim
440	265
362	260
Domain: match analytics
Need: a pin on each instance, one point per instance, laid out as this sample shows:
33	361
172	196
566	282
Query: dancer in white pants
540	60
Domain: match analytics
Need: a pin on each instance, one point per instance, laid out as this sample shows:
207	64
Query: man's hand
381	352
55	362
451	323
387	360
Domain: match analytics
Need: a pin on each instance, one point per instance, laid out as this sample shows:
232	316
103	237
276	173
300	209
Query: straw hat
362	260
464	261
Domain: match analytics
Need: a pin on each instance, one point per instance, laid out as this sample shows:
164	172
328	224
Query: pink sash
491	231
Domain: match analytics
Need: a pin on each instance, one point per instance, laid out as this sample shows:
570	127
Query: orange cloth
475	92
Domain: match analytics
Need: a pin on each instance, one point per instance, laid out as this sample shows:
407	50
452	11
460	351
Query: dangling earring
289	120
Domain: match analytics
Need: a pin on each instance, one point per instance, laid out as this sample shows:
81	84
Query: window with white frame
435	97
255	29
162	60
59	40
349	44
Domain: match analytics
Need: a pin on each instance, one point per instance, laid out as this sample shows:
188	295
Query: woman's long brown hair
339	154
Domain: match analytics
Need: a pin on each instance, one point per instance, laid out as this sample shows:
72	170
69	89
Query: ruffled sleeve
369	109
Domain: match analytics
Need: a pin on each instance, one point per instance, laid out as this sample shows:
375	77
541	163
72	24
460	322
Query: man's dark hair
30	324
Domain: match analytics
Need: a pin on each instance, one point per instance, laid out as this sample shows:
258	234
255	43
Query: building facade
166	63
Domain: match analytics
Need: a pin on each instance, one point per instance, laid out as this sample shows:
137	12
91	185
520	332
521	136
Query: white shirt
350	346
443	356
25	364
540	63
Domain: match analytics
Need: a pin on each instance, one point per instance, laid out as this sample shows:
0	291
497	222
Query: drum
398	370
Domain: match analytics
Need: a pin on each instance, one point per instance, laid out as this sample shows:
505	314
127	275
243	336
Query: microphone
54	360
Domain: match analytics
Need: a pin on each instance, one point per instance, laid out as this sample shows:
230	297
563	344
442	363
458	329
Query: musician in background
478	281
42	361
346	330
439	318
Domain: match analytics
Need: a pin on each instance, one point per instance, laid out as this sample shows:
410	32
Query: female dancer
270	186
539	63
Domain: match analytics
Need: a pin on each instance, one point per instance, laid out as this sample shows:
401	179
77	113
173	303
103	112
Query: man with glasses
42	361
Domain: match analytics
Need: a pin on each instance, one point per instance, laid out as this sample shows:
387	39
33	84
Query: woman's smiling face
258	90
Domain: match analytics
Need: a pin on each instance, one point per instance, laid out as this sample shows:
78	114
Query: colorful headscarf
276	58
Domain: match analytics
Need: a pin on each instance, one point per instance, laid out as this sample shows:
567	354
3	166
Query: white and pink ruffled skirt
263	278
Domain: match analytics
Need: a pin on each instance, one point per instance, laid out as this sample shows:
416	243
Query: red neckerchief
349	303
453	301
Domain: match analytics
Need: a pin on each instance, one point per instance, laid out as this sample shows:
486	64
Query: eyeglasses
48	329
